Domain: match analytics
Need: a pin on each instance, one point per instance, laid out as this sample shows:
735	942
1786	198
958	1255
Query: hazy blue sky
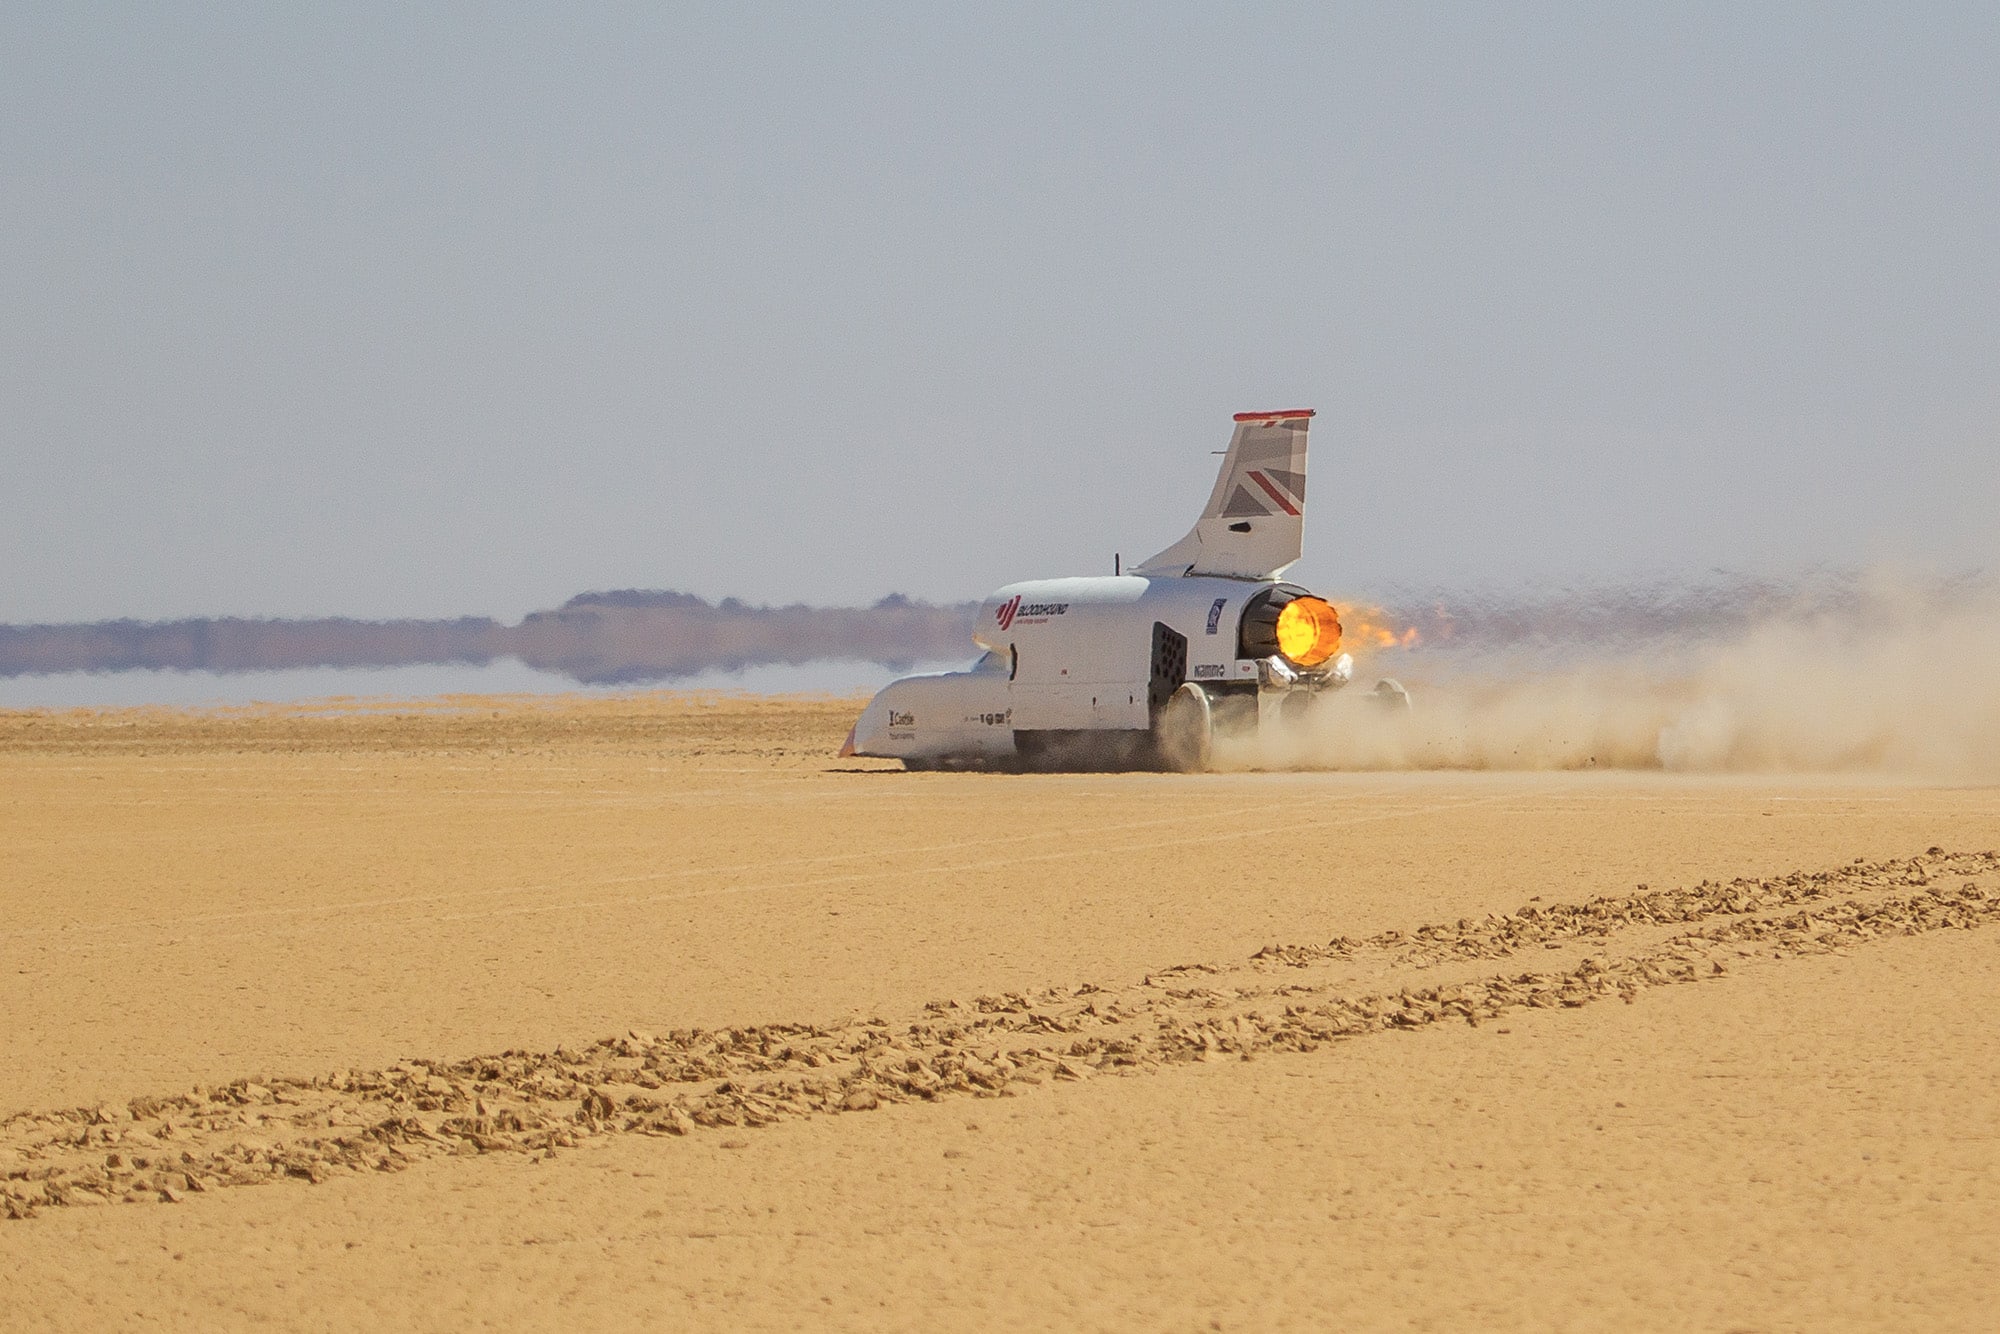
414	310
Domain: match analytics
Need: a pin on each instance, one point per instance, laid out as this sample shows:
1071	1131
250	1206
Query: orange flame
1368	626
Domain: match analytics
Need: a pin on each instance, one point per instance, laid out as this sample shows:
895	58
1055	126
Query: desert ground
646	1011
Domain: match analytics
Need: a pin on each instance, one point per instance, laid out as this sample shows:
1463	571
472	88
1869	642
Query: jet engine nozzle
1301	628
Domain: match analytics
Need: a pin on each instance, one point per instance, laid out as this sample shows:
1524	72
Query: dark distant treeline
627	635
637	635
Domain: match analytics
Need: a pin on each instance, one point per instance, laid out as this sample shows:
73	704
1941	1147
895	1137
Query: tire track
1283	999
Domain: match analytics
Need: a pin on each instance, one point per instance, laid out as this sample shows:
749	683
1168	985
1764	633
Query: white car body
1095	671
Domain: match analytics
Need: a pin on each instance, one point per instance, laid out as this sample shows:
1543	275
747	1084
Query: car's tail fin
1254	526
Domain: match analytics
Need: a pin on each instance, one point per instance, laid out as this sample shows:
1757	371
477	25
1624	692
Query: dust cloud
1863	674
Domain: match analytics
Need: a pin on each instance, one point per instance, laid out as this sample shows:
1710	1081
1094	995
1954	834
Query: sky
427	310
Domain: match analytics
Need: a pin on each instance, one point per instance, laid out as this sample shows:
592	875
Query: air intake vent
1170	654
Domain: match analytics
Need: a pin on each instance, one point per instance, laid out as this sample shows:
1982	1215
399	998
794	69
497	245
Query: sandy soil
646	1011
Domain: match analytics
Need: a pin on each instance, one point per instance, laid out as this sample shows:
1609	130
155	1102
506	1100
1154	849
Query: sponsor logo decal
1013	609
993	719
1207	669
902	719
1215	614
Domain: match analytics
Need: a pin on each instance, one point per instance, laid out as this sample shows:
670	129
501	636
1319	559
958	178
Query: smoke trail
1873	673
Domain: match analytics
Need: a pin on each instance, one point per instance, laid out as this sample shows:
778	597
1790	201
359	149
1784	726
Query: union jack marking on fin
1284	501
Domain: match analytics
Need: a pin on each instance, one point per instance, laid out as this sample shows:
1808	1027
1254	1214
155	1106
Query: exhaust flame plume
1369	626
1308	631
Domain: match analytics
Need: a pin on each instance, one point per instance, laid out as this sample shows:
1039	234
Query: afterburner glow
1308	631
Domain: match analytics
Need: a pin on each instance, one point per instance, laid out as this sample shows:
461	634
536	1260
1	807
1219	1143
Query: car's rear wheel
1184	733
